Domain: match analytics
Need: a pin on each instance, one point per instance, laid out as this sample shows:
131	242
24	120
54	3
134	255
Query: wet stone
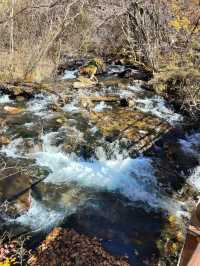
17	178
14	186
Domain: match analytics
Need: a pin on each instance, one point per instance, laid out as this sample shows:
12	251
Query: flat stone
141	130
14	187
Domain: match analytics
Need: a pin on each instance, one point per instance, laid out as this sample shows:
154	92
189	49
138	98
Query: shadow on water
125	228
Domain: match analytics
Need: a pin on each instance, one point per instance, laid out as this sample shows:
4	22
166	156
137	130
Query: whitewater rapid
133	178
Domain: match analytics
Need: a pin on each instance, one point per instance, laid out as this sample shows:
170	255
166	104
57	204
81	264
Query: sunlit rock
83	82
93	67
13	110
141	130
4	140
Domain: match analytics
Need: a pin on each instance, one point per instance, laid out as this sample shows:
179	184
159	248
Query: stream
94	181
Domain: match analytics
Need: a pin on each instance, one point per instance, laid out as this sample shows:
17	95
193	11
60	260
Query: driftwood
100	98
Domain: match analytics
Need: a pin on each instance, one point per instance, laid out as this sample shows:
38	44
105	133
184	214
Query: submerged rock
171	241
20	98
66	247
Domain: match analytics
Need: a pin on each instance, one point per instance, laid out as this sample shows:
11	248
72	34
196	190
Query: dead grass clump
181	84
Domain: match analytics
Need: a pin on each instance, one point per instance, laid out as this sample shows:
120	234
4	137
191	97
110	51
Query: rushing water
109	194
4	99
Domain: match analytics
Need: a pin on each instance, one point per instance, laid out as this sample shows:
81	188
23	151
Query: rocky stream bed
111	160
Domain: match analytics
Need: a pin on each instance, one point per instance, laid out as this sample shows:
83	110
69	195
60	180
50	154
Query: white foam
29	125
4	99
47	143
103	175
101	106
157	106
135	88
133	178
194	179
39	105
39	217
115	69
125	94
69	74
13	148
94	129
71	107
191	144
45	214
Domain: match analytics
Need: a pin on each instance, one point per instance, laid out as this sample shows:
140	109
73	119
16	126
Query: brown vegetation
162	35
66	247
35	34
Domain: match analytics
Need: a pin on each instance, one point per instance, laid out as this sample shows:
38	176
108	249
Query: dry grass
13	67
36	33
32	36
181	84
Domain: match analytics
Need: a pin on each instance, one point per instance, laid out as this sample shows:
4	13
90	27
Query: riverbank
110	159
